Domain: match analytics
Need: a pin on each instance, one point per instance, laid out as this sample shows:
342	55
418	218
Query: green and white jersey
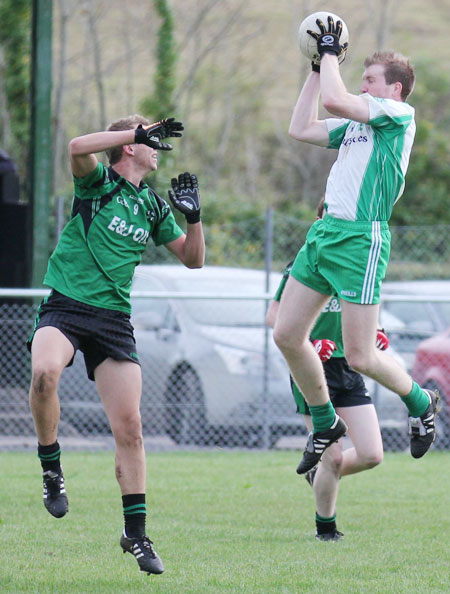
368	176
328	324
99	248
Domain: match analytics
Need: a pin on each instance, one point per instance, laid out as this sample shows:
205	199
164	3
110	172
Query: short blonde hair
115	154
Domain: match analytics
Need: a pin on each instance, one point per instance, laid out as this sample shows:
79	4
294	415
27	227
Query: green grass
232	522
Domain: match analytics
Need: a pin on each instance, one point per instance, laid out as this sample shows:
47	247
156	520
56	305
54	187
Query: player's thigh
359	326
363	429
119	384
51	350
299	307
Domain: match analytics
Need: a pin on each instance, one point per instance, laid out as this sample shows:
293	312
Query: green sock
417	401
322	416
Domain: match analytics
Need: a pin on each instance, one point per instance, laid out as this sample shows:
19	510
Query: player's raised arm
82	149
324	39
335	97
305	124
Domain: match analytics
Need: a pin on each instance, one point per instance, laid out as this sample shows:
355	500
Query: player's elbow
298	133
271	315
195	261
75	147
194	265
331	103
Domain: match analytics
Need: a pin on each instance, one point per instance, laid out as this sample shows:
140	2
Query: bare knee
373	459
127	431
333	459
360	361
370	459
282	339
287	341
44	381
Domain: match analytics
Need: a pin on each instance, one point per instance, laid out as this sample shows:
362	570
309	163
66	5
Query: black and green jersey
99	248
328	324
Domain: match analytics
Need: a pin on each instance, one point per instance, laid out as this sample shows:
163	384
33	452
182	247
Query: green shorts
346	258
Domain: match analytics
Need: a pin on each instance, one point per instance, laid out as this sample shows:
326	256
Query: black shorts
345	386
98	333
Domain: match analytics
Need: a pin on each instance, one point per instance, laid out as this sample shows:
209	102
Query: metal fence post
41	168
268	255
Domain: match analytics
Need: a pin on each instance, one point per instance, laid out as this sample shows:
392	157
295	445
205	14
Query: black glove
328	42
185	196
151	135
165	128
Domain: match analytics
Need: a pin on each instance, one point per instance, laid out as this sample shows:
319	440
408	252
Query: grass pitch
231	522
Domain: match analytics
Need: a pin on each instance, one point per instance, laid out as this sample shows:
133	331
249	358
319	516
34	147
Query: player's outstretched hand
166	128
143	136
185	196
382	341
151	135
328	41
324	348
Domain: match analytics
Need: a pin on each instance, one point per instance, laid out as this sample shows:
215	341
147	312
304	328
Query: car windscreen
444	309
417	316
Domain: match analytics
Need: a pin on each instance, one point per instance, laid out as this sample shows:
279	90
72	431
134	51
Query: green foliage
229	522
15	42
161	104
161	101
428	179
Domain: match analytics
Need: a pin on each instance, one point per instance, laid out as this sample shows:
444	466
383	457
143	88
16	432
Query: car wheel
442	420
185	408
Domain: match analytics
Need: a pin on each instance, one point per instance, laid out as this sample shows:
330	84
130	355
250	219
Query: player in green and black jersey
352	402
114	216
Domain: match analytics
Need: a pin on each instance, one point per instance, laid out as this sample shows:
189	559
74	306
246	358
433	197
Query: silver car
411	314
211	371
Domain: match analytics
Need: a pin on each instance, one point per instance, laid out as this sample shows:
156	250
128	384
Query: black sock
50	457
134	513
325	525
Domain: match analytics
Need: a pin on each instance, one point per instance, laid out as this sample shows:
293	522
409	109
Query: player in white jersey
368	176
347	251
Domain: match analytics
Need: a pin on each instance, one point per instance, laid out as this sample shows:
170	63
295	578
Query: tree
161	101
93	35
425	200
15	48
60	88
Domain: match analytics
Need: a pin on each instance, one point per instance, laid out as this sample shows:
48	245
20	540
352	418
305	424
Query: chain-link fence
221	383
417	252
211	372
